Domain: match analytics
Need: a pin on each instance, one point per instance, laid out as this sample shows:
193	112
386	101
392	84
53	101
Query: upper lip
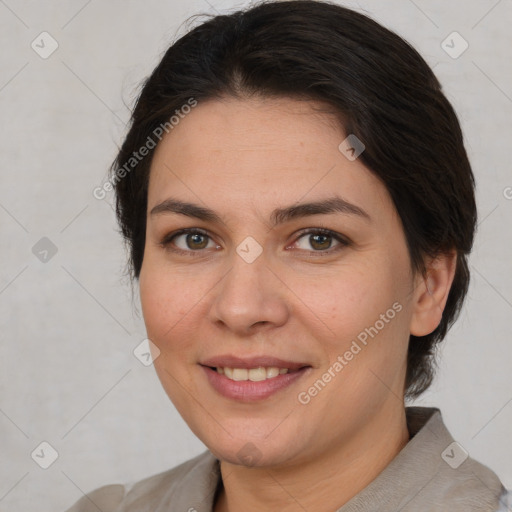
231	361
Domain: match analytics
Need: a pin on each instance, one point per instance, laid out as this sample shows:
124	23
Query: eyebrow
334	204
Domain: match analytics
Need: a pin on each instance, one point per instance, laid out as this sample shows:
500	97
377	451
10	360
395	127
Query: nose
249	298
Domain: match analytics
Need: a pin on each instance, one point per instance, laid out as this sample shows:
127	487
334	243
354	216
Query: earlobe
431	293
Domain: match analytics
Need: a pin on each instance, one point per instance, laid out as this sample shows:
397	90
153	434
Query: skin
243	158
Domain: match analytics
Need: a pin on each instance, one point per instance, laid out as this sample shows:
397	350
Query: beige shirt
431	473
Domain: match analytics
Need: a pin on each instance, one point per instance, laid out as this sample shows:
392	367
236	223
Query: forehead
233	152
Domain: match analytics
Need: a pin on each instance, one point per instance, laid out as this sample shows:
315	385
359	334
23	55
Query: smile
253	374
251	379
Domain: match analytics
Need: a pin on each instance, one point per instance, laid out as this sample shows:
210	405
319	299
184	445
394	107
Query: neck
337	475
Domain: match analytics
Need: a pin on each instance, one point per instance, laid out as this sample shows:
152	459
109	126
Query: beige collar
431	473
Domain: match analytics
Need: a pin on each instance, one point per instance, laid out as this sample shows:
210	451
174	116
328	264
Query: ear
431	293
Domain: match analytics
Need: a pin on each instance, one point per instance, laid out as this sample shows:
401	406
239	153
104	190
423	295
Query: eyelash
343	241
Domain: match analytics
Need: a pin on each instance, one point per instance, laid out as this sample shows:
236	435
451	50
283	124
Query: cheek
365	320
166	304
348	299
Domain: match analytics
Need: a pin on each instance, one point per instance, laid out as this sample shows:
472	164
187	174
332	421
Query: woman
299	208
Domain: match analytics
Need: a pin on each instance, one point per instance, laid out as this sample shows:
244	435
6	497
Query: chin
254	451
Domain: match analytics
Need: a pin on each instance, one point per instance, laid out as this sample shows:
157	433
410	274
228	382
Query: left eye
319	240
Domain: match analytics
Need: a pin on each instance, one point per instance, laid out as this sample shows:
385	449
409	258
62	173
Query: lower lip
250	391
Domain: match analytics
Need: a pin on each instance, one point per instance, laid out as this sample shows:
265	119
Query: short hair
380	88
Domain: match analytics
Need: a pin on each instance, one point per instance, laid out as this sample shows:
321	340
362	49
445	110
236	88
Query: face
282	328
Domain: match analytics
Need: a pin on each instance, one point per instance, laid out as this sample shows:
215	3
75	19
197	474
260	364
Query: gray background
68	326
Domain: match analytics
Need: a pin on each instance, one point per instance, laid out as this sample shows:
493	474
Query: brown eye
196	240
188	240
320	240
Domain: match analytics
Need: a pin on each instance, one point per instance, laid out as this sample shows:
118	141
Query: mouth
252	379
253	374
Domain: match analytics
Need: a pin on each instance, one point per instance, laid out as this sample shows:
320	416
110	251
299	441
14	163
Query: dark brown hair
382	90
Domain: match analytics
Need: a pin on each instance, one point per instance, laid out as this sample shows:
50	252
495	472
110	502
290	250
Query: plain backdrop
68	325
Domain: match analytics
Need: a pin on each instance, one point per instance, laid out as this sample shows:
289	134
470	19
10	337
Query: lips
252	362
251	379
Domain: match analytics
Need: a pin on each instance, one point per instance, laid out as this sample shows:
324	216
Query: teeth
252	374
257	374
272	372
240	374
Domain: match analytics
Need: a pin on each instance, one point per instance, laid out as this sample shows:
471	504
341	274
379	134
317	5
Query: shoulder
472	486
106	498
454	479
148	492
505	501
